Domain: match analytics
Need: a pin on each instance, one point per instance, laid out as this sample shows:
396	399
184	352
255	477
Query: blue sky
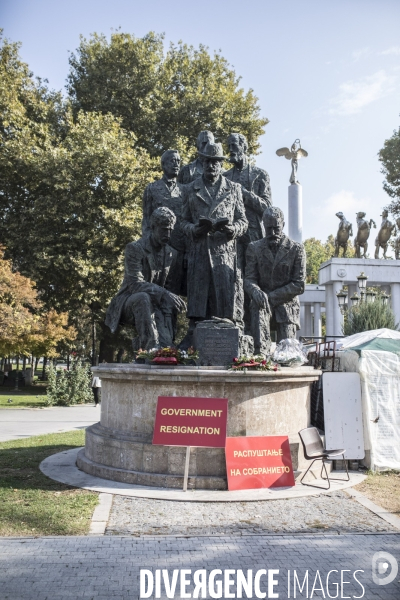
325	72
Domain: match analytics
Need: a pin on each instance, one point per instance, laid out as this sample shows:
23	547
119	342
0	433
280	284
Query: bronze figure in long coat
214	280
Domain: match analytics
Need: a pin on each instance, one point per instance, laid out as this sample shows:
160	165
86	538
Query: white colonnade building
333	275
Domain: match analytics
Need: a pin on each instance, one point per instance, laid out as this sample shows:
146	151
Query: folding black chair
314	450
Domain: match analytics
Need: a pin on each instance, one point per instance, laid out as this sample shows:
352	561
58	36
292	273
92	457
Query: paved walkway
108	567
334	512
25	422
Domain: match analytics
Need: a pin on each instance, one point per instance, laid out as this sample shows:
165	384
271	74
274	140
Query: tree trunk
35	366
24	362
120	355
94	357
17	367
44	368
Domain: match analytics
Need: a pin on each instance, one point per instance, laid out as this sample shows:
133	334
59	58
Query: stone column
352	289
329	310
301	331
337	315
317	320
307	320
295	212
395	293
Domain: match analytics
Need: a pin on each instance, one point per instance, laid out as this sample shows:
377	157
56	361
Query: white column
395	293
295	212
317	320
337	315
307	320
302	323
329	310
352	289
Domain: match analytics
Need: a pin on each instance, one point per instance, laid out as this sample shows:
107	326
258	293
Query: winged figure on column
294	154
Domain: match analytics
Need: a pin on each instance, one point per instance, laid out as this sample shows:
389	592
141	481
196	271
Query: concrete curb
62	467
378	510
101	514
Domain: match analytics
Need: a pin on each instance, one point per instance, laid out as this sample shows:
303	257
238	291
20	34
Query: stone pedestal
259	403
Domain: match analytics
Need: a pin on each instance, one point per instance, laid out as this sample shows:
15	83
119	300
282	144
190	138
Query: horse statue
384	234
397	241
363	231
342	237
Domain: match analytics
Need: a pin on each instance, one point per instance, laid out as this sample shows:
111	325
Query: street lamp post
371	295
385	298
342	296
362	284
355	299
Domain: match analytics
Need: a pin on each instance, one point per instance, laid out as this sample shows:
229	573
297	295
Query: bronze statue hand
229	230
201	230
174	301
261	299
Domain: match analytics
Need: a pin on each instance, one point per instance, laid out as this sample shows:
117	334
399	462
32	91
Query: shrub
69	387
367	316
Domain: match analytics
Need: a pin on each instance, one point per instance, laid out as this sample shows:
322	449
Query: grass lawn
383	488
33	504
30	396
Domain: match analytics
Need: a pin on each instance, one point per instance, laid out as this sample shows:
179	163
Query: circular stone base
62	467
259	404
167	480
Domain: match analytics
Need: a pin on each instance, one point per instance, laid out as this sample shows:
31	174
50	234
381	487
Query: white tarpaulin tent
375	355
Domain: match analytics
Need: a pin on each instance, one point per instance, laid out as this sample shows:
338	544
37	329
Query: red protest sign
258	462
182	421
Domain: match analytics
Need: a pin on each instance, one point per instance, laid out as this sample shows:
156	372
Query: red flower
235	360
275	368
263	362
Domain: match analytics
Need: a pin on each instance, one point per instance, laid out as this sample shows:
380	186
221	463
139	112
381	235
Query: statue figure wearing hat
213	217
193	170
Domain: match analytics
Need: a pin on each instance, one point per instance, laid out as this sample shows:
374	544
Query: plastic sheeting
366	336
380	384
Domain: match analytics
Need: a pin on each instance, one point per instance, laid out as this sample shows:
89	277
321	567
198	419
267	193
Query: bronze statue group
215	238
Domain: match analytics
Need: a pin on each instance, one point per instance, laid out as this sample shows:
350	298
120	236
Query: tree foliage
367	316
166	99
390	159
17	302
318	252
26	327
71	190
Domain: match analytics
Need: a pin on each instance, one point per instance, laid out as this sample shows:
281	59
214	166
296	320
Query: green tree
390	159
316	253
71	189
165	99
367	316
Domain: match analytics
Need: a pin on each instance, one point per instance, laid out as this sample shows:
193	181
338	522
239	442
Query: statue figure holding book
213	217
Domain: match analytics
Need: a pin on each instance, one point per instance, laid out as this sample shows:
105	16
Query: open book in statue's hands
206	223
219	224
214	224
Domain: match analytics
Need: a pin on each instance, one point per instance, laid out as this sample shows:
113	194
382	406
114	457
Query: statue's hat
213	151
